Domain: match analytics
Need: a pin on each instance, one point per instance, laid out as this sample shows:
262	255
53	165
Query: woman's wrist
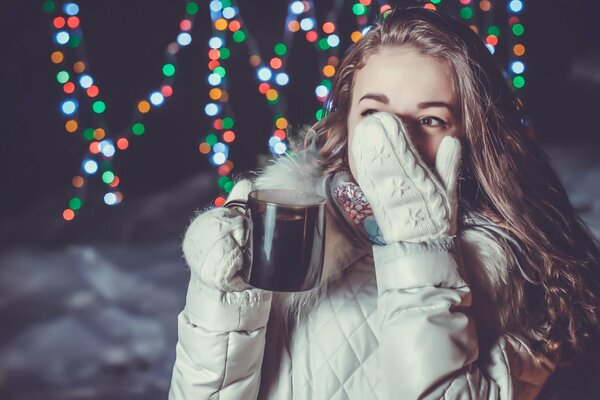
408	265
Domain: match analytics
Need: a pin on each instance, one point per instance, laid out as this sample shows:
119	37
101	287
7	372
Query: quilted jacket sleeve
221	344
428	337
221	334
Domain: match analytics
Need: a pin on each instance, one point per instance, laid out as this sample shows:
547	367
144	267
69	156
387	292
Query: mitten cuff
218	310
409	265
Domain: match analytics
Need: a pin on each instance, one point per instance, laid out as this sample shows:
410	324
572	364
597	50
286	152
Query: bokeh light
271	73
157	98
62	37
90	166
69	107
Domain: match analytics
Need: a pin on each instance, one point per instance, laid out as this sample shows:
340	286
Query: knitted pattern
216	247
409	201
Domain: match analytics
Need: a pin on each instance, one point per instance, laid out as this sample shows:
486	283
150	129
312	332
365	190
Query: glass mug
286	237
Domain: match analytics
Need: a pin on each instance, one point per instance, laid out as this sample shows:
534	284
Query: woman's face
416	88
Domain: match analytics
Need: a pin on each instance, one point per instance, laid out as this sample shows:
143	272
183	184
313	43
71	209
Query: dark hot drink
288	229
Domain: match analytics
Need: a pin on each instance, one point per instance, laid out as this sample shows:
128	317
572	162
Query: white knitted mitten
215	247
409	201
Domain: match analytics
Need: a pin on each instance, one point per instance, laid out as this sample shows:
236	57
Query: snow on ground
89	321
93	316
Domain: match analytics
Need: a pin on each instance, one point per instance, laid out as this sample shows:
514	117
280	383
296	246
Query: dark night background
125	41
88	308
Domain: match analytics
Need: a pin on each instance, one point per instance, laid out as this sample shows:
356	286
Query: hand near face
402	127
418	89
410	201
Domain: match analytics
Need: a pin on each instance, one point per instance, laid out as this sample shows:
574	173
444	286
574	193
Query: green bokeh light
435	1
138	128
99	107
494	30
326	83
168	69
191	7
222	181
75	203
48	6
227	123
62	77
280	49
319	114
466	13
228	186
323	45
211	139
239	36
359	9
224	53
518	29
220	71
108	177
74	41
88	134
518	81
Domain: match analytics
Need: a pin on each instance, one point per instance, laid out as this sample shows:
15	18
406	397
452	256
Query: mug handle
241	207
237	203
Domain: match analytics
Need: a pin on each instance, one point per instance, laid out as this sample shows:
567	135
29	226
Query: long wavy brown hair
505	176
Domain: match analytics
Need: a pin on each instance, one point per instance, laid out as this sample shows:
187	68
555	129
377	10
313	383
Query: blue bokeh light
184	39
264	74
282	79
212	109
517	67
157	98
90	166
62	37
69	107
70	8
215	42
297	7
515	6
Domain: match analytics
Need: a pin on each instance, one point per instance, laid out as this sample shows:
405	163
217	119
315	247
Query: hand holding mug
271	239
215	245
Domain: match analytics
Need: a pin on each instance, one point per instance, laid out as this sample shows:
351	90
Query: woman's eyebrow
428	104
382	98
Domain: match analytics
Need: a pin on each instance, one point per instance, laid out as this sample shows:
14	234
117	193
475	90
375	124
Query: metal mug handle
242	207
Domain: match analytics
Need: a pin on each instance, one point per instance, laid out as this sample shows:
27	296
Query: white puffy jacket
387	322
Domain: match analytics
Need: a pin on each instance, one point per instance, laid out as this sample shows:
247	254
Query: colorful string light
516	64
83	101
228	33
301	18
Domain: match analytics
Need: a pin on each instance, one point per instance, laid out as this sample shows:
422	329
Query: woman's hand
216	247
410	202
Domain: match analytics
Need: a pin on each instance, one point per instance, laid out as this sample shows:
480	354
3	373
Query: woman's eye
433	122
367	112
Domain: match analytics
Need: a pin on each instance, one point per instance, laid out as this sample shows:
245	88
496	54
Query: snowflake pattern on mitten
410	201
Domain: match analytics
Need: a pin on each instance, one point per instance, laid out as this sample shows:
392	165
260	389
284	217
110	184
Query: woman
455	266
